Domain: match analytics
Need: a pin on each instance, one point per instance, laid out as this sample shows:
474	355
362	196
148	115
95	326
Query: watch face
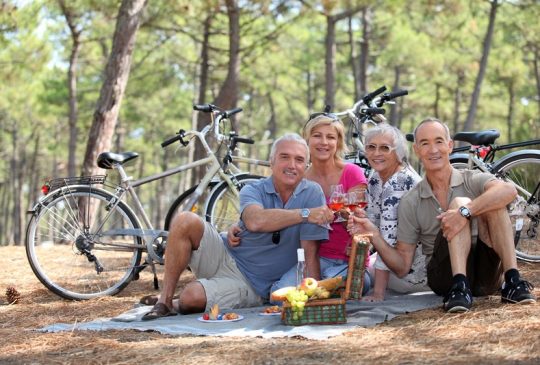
305	213
465	212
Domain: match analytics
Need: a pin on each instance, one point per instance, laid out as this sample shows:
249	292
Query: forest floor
491	333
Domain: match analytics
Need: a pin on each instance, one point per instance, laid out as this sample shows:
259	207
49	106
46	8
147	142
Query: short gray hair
289	137
433	120
398	140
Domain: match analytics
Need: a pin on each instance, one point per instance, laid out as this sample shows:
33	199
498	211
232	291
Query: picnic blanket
359	313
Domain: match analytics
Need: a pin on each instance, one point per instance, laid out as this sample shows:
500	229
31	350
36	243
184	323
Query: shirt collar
456	179
269	187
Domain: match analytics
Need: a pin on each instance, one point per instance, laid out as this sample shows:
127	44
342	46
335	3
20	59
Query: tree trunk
72	86
330	52
364	50
510	114
114	85
330	60
196	150
393	119
15	167
353	60
536	66
4	205
437	100
227	97
469	122
457	99
34	168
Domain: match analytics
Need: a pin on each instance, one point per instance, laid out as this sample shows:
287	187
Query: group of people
449	232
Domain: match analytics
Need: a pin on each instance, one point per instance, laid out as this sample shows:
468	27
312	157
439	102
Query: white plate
240	317
270	314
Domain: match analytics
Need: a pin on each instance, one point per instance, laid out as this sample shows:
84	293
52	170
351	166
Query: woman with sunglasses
386	151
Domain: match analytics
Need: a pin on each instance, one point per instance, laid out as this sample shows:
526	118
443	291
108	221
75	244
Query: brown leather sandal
159	310
152	299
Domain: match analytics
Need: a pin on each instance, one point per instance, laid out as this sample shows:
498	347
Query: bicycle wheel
78	245
179	205
523	169
223	207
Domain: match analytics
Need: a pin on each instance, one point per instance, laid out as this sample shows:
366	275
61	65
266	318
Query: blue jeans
329	268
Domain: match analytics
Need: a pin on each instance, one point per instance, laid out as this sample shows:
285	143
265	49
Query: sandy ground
491	333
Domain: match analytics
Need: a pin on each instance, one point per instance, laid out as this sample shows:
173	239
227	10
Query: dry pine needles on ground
490	333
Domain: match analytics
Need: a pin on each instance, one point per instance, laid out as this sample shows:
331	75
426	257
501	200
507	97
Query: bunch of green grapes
297	298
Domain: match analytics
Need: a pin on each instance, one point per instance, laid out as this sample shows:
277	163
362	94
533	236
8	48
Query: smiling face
288	164
381	154
432	146
323	142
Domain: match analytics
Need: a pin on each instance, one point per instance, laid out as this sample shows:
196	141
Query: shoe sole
524	301
458	309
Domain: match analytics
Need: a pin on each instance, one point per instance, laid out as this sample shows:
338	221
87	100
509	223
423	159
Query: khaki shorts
217	272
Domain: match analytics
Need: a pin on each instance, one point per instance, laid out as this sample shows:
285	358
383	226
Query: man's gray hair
433	120
289	137
398	140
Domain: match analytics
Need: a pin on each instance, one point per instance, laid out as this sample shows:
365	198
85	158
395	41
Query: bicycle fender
459	157
46	199
521	153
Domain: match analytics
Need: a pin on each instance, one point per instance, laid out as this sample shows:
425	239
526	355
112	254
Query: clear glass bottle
300	267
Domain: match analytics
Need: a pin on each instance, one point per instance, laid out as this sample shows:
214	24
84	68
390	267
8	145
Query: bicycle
367	110
522	169
84	225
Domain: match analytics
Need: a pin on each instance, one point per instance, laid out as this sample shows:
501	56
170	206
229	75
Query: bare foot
373	298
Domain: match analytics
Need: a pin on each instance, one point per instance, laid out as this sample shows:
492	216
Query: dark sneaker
518	292
458	299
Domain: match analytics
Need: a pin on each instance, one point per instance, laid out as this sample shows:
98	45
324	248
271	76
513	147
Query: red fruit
206	317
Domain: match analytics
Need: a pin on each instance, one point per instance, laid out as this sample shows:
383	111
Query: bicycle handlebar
171	140
372	111
389	96
370	96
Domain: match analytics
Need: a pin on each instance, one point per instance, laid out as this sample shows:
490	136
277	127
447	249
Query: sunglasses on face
276	237
383	148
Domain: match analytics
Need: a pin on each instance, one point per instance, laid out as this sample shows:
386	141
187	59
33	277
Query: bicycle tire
523	169
223	208
177	205
459	161
62	227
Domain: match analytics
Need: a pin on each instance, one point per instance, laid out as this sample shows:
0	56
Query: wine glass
356	198
337	200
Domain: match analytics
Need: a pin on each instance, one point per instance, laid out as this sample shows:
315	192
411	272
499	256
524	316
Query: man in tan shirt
460	218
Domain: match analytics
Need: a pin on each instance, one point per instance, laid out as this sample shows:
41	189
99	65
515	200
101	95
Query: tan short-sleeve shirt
419	208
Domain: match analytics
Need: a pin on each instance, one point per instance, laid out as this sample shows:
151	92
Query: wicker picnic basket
332	310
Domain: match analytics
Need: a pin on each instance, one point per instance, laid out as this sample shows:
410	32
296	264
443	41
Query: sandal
152	299
159	310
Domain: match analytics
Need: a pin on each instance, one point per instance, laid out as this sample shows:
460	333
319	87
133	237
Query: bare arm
258	219
311	252
497	195
398	259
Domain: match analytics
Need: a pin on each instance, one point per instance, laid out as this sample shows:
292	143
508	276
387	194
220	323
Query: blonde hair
332	120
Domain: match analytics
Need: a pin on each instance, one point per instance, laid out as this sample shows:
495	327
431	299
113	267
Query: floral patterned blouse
383	201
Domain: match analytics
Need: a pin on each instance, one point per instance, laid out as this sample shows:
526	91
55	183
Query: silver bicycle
85	240
522	169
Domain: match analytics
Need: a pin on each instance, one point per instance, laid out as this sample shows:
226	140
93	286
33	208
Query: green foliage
435	45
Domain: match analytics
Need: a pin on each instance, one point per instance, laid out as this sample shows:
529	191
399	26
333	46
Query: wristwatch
465	212
305	214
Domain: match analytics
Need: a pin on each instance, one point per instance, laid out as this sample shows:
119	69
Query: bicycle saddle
484	138
106	160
